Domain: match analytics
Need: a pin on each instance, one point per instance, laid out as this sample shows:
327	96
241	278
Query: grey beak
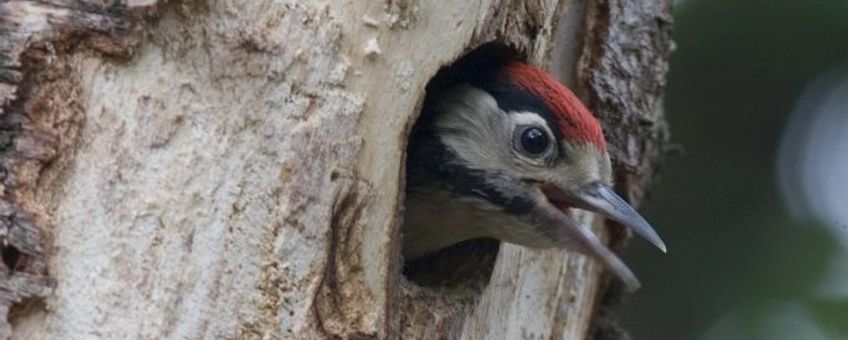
570	233
600	198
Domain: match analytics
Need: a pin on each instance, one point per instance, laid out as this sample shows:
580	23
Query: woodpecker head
514	150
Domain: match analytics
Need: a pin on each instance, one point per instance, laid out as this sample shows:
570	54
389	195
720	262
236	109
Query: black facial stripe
508	193
433	163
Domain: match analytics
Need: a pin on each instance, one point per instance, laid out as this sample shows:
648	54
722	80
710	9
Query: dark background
740	265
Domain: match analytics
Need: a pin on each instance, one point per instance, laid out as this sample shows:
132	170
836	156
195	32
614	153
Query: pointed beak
600	198
570	233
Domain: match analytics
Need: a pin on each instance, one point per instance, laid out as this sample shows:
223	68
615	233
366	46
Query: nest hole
467	264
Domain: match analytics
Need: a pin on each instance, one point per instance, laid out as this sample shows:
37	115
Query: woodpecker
506	154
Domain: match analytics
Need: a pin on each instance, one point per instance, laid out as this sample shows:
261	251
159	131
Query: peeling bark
233	169
31	102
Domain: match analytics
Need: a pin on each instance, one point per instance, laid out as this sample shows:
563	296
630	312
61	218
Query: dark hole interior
11	256
467	264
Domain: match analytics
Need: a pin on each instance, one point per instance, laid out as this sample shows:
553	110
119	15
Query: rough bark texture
622	68
233	169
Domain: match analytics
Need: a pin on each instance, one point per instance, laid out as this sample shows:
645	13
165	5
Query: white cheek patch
474	127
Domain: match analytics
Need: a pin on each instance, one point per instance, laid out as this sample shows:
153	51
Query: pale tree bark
234	169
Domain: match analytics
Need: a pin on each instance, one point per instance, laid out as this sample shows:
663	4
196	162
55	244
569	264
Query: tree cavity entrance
467	264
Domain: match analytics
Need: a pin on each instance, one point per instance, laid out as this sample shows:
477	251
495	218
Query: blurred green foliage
734	252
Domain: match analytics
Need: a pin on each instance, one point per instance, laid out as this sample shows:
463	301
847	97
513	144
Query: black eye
534	141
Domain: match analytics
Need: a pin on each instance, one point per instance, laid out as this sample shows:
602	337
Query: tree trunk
234	169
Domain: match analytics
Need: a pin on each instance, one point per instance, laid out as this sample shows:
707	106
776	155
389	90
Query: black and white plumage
502	155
